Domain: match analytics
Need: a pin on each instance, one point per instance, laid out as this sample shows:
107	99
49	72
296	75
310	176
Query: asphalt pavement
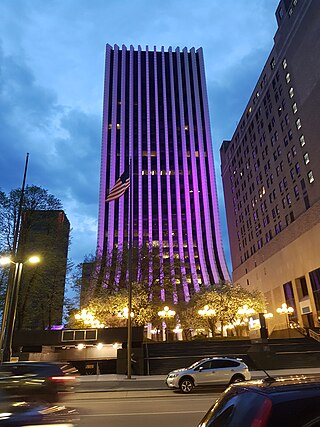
115	382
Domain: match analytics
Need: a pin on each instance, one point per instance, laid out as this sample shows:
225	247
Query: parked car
293	402
208	372
44	381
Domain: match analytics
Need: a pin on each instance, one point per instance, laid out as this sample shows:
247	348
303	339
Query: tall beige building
271	172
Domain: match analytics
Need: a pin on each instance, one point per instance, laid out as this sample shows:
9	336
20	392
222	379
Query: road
142	408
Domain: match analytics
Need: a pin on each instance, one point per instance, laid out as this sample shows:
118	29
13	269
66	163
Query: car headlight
5	415
172	375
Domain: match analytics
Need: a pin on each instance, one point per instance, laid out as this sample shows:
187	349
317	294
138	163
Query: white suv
209	371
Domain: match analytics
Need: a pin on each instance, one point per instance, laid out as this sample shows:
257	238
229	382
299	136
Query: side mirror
200	368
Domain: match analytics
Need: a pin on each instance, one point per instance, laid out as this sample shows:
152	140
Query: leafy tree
41	294
109	307
225	300
35	198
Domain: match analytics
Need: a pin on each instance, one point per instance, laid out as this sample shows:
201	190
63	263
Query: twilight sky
51	84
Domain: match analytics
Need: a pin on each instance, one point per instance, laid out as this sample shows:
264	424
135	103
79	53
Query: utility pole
9	311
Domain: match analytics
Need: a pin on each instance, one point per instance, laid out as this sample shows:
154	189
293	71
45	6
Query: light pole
168	314
208	313
10	309
284	309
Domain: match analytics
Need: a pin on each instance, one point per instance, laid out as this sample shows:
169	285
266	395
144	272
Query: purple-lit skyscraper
156	112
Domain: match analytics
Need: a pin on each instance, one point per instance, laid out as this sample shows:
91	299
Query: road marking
129	414
104	401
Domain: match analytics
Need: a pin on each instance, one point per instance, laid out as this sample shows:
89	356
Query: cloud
51	83
64	146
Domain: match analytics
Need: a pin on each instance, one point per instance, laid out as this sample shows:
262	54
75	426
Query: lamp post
168	314
284	309
208	313
10	310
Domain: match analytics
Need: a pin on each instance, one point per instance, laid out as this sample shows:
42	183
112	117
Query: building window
315	284
281	186
298	124
288	78
298	168
310	177
294	108
284	62
287	119
294	151
306	158
302	140
289	200
296	191
292	174
289	157
291	92
272	63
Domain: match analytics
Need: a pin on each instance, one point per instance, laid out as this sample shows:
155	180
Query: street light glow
284	309
207	311
5	260
34	259
166	312
246	310
89	319
125	313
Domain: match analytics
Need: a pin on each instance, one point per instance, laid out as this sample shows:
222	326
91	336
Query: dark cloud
64	145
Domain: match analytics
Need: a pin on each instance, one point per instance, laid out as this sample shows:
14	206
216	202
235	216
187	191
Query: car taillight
262	416
62	378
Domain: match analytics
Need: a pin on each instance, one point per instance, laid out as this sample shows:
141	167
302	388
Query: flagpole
130	237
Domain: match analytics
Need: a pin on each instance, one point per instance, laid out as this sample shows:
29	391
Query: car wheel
186	385
237	379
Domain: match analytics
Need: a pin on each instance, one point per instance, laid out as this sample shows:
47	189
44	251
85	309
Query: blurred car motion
38	381
16	412
208	372
280	402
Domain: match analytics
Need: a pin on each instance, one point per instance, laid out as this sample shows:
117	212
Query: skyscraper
156	113
270	171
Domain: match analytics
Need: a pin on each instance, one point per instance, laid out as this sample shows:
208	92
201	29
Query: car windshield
194	365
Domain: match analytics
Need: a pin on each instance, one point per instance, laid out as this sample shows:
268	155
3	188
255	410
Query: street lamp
208	312
245	310
10	308
166	313
89	319
284	309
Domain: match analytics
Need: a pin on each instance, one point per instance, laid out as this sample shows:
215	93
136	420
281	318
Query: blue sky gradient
51	84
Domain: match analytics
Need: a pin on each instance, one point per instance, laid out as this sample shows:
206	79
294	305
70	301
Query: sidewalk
114	382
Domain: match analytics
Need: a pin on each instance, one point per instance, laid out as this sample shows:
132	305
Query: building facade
271	172
44	233
156	113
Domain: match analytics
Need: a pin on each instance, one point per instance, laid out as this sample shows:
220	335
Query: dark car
43	381
280	402
17	412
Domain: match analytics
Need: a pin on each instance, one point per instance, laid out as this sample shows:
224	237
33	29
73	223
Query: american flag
120	187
